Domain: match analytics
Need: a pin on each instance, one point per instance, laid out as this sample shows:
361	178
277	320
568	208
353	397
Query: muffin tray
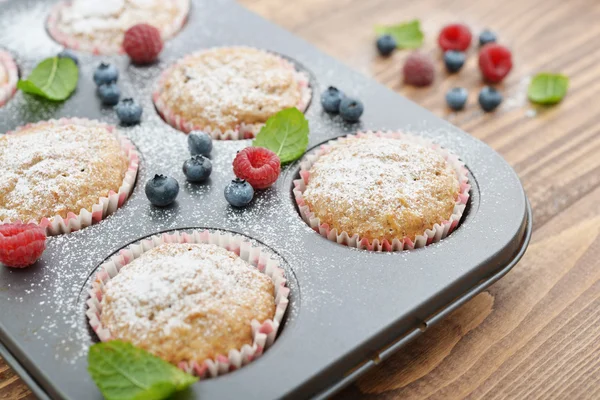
349	309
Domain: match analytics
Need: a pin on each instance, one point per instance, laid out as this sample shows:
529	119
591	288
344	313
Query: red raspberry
418	70
495	62
21	244
260	167
142	43
455	37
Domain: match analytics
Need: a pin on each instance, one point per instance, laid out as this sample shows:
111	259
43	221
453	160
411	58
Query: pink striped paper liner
242	131
99	48
8	89
437	233
264	333
106	205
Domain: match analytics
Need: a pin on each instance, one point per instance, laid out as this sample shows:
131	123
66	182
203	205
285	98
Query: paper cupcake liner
8	89
243	131
437	233
263	334
99	48
106	205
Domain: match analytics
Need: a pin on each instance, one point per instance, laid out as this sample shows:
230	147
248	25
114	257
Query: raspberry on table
21	244
455	37
142	43
258	166
495	62
418	70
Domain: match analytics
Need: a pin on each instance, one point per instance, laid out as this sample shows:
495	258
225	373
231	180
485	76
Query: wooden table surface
535	334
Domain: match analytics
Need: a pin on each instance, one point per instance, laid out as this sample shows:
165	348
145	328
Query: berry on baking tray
486	37
454	60
489	98
351	109
105	73
142	43
197	169
495	62
455	37
418	70
129	111
199	143
259	166
331	99
21	244
386	44
162	190
109	93
239	193
456	98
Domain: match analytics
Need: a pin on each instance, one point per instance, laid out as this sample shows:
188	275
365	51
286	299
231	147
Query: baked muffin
229	91
55	168
8	77
99	26
187	301
381	188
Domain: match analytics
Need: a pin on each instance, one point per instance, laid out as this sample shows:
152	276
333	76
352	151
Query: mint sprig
53	79
407	35
125	372
548	88
285	134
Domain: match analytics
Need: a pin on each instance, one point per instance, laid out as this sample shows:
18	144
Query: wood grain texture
535	334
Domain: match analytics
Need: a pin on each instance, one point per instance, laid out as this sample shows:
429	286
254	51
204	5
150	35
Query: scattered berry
418	70
142	43
454	60
331	99
495	62
21	244
129	112
197	168
199	143
67	53
109	93
162	190
257	165
386	44
486	37
455	37
351	109
457	98
239	193
489	98
105	73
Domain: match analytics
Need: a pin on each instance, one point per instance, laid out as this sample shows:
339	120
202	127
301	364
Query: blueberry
199	143
331	99
162	190
239	193
454	60
457	98
351	109
489	98
109	93
105	73
486	37
129	112
67	53
386	44
197	168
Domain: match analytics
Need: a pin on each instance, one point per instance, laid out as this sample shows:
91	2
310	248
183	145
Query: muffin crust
382	188
187	302
49	169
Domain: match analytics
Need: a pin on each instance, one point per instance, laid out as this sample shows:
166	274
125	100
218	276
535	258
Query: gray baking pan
349	308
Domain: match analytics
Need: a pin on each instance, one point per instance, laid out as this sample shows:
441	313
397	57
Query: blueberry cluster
128	110
334	101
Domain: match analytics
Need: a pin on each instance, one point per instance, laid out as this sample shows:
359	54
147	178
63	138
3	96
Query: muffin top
187	302
51	169
381	188
227	86
105	22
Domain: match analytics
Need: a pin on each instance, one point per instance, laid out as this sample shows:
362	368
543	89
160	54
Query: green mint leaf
54	79
547	88
125	372
285	134
407	35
